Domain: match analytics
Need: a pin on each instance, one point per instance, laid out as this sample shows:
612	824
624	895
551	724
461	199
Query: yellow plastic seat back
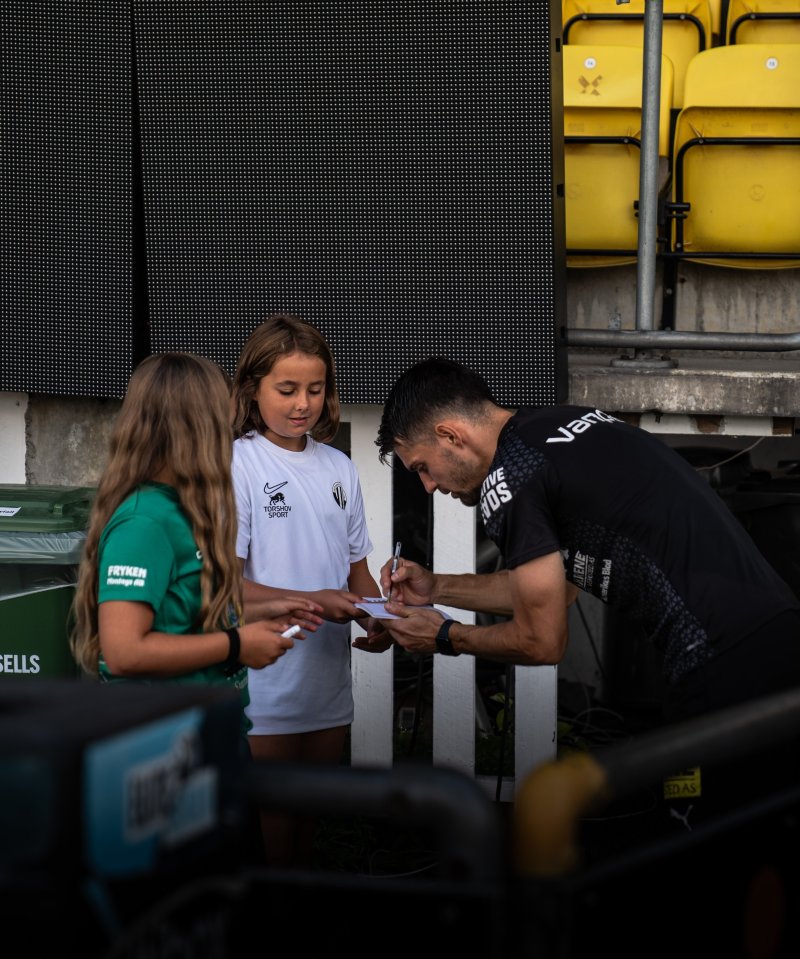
686	30
763	21
736	157
602	153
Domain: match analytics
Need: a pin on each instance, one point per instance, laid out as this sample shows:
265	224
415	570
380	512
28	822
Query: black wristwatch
443	644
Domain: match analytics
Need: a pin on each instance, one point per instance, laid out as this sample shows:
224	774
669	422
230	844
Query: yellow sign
683	785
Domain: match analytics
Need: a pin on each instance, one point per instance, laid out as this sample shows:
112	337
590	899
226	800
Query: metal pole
648	165
684	340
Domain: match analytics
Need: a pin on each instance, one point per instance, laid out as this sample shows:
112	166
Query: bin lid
29	508
23	549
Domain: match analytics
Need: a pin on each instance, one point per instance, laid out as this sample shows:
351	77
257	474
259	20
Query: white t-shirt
301	526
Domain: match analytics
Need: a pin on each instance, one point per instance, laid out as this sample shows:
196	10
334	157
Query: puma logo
683	818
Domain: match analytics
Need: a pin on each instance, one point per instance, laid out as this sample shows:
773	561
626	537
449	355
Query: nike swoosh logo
269	490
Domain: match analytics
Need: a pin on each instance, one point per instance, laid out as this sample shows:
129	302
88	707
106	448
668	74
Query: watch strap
234	649
443	644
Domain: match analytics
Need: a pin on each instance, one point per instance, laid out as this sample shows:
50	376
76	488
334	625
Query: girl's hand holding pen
262	643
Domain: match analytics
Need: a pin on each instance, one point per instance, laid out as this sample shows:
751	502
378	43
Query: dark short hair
426	390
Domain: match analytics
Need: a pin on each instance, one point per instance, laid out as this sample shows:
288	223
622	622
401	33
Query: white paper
378	610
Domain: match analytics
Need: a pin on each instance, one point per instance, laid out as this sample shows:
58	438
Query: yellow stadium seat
687	29
763	21
717	26
602	135
736	158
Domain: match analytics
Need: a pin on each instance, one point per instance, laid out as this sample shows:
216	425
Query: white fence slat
371	734
535	717
454	539
12	437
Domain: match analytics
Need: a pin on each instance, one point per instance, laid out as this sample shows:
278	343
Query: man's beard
460	478
472	498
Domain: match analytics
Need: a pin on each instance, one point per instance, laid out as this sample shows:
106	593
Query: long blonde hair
176	415
279	335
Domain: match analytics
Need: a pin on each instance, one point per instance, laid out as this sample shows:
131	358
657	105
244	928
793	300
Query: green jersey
148	554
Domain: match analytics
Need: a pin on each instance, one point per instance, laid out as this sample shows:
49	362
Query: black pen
395	561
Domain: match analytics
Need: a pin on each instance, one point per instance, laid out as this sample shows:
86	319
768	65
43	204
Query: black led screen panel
384	169
66	260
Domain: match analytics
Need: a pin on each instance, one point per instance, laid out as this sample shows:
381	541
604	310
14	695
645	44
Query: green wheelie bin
42	535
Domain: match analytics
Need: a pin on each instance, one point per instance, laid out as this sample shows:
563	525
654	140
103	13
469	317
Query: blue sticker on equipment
147	790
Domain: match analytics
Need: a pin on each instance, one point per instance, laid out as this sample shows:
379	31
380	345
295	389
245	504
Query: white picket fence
454	686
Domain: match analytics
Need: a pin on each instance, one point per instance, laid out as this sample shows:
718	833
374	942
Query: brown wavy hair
175	416
280	335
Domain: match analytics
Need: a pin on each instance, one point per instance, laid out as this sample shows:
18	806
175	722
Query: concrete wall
58	441
715	299
67	439
62	440
707	298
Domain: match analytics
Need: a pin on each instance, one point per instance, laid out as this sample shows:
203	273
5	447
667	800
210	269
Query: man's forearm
479	592
505	642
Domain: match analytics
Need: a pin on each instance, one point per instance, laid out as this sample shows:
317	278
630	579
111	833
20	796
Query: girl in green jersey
159	588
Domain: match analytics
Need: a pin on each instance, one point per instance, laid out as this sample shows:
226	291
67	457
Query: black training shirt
636	526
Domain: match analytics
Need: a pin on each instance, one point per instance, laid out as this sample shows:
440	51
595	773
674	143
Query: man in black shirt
574	499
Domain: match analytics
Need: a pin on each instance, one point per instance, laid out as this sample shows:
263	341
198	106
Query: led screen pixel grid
66	247
384	169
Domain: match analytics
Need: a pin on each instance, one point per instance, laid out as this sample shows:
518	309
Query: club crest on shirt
339	495
276	506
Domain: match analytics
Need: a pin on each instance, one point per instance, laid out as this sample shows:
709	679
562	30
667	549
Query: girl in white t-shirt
302	530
